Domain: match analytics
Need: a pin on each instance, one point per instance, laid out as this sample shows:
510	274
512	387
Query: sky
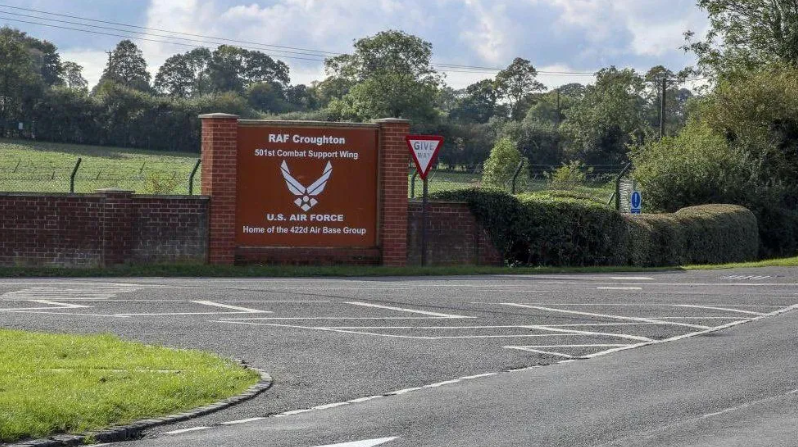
574	36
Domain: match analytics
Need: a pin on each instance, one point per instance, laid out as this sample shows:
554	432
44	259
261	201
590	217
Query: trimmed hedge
705	234
544	229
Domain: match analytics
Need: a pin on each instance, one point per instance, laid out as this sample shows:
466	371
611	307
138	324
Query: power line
162	30
297	53
147	31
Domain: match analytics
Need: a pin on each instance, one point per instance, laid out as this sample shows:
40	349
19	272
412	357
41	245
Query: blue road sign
637	203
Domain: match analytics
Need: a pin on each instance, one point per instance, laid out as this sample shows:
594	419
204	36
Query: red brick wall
454	237
393	167
88	230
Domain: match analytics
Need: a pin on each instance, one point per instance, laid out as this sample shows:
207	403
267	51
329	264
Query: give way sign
424	149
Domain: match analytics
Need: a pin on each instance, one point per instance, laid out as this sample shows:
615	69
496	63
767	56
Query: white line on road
401	309
725	309
238	308
364	443
631	278
235	310
612	317
538	351
619	288
185	430
242	421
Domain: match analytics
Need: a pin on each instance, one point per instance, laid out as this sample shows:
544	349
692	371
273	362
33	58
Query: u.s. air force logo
306	196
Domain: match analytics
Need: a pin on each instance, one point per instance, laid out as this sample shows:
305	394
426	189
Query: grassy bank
348	271
72	384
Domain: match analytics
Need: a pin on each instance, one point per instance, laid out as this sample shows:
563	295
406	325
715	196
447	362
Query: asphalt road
433	345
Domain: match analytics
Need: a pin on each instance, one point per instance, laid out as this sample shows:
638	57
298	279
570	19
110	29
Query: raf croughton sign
307	186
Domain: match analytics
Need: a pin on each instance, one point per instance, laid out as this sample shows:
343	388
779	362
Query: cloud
92	61
583	35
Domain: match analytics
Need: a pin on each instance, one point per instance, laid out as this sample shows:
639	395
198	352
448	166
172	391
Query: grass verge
52	383
347	271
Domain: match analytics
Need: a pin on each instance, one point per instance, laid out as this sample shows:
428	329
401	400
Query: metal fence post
72	177
413	185
618	186
191	177
517	172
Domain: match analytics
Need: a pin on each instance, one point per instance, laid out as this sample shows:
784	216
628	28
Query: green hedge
705	234
547	229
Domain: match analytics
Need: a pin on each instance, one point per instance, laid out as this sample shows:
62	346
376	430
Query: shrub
540	229
568	175
501	165
707	234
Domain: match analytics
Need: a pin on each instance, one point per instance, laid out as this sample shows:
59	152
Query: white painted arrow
364	443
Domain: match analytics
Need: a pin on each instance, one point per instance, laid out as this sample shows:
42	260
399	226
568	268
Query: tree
516	82
746	34
20	81
502	163
233	69
609	118
477	103
72	76
185	75
390	74
126	66
44	55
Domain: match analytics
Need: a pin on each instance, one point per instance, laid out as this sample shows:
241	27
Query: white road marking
619	288
615	317
364	443
185	430
238	308
84	291
242	421
725	309
595	345
401	309
631	278
329	318
235	310
538	351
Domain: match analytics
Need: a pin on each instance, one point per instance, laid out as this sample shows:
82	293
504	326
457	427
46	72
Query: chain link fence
176	177
595	182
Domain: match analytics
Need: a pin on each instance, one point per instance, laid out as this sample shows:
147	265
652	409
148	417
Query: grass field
33	166
27	166
75	383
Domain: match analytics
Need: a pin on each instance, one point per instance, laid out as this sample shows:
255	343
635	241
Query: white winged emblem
306	197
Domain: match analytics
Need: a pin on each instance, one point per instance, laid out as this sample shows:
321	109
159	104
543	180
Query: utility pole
662	108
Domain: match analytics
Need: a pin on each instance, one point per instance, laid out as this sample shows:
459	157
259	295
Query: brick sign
305	186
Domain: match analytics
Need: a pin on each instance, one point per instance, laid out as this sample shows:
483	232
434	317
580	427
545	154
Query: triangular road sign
424	149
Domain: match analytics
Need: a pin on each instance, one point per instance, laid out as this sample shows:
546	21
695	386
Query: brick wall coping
99	195
50	194
419	201
392	121
170	197
251	123
212	116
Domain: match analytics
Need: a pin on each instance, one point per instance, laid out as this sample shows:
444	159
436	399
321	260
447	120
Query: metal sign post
424	149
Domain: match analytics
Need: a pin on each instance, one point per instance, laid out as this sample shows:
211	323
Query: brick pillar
219	169
394	158
116	224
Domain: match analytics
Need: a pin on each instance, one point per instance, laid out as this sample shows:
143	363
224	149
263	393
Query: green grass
255	271
33	166
75	383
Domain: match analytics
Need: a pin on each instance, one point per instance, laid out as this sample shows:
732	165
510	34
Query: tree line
389	74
